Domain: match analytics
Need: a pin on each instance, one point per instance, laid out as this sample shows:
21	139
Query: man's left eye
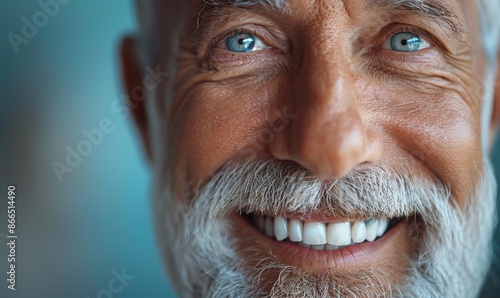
405	42
243	43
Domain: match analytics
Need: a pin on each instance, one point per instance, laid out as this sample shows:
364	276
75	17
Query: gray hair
451	258
490	26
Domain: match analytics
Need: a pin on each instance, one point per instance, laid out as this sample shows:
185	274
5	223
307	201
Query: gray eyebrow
429	8
279	5
425	7
207	6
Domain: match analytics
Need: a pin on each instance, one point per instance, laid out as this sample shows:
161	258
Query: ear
133	81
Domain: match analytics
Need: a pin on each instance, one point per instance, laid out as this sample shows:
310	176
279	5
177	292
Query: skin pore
326	95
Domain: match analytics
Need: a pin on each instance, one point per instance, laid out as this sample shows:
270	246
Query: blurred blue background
76	235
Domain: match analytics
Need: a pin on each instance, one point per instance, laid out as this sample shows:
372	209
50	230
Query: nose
327	135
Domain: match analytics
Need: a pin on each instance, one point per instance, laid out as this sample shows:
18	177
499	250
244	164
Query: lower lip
307	258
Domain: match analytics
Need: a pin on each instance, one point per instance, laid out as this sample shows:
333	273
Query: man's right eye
244	43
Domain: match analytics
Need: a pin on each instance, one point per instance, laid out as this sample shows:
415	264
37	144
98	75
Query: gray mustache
272	186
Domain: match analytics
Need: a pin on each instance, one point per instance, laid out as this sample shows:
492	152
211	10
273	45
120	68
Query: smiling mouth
321	235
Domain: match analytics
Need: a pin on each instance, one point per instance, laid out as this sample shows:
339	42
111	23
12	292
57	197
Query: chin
377	232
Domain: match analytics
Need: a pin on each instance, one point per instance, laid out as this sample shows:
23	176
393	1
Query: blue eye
243	42
406	42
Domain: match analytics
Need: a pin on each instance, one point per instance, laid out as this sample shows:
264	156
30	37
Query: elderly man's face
319	148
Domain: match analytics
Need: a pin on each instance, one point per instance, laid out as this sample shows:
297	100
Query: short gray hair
490	24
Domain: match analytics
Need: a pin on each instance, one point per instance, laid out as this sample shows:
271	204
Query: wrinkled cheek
449	148
457	155
217	123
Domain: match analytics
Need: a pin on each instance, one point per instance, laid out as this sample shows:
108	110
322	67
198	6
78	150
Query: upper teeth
319	235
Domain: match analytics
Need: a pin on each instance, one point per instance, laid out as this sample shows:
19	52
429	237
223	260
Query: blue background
74	233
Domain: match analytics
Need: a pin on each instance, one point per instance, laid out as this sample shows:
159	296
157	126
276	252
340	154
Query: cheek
442	134
217	123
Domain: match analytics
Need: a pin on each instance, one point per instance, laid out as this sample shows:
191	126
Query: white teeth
321	236
358	232
314	233
382	227
295	230
339	233
280	228
269	227
371	229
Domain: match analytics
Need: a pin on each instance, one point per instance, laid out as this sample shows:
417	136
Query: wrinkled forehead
173	11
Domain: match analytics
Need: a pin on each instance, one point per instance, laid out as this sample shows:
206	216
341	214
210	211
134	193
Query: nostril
331	165
331	149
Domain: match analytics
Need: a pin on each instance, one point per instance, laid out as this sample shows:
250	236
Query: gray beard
452	247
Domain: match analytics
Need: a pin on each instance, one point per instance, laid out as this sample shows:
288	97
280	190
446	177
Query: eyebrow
428	8
280	5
